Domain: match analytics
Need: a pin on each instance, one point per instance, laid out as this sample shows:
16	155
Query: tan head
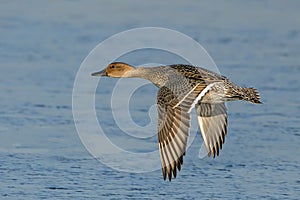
116	70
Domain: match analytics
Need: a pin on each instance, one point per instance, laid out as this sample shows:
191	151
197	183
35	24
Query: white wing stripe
186	96
199	97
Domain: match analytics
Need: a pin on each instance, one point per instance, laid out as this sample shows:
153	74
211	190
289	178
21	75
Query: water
42	46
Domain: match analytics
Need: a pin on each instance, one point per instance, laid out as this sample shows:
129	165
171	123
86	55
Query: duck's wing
212	119
173	131
174	125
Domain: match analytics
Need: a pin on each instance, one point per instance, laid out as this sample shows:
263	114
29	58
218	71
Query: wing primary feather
212	120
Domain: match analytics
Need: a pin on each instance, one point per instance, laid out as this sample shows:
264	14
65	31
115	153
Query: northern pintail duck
182	87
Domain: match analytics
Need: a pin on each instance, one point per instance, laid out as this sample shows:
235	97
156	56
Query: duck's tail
250	94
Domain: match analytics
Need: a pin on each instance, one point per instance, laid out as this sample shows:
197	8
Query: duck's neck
153	74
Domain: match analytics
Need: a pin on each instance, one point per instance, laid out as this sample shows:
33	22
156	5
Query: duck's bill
100	73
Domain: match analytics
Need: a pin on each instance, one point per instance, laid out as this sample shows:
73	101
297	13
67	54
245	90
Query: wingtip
174	172
164	173
169	175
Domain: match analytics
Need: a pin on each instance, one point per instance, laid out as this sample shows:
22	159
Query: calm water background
42	45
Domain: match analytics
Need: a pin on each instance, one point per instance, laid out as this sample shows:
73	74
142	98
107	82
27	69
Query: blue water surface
42	45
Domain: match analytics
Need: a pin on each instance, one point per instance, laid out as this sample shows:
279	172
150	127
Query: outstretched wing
212	119
174	125
212	116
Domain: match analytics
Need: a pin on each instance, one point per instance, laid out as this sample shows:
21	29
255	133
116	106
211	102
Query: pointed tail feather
251	95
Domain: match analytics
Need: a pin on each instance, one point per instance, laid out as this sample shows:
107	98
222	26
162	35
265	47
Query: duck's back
198	73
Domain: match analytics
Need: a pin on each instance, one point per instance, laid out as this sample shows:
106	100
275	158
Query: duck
182	87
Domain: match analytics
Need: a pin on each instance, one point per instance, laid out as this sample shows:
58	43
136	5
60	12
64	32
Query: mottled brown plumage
182	87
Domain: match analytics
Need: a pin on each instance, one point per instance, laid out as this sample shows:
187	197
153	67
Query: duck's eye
112	66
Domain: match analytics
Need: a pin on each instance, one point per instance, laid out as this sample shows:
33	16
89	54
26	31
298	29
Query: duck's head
116	70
